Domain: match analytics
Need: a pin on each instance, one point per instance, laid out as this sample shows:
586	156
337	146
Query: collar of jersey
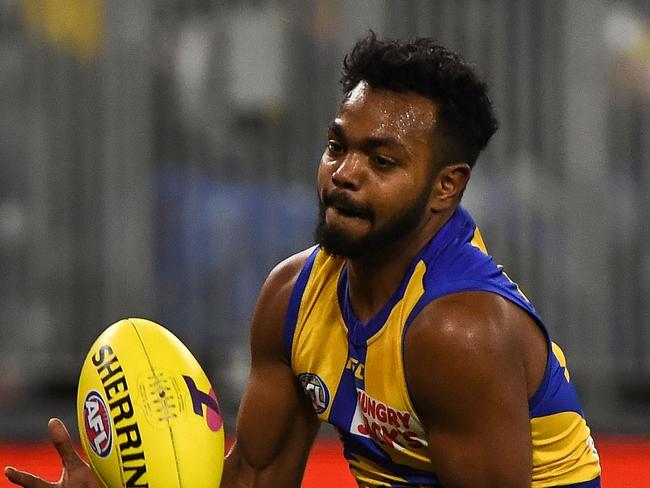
360	332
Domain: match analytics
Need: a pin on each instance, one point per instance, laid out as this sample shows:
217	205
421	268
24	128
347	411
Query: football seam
171	432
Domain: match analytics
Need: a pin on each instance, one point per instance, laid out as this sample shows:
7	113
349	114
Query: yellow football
147	414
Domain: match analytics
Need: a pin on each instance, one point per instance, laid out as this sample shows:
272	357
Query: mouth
348	212
342	205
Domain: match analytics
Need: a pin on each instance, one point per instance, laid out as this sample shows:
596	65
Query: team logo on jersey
316	390
97	424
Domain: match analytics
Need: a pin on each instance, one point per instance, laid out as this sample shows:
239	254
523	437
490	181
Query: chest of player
357	386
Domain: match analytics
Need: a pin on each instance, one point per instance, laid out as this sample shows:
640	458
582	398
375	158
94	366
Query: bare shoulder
272	303
469	320
285	273
276	290
465	360
473	339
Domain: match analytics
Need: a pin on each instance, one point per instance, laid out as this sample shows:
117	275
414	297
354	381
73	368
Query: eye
384	162
334	147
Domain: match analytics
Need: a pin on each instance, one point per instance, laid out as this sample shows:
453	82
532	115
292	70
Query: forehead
387	113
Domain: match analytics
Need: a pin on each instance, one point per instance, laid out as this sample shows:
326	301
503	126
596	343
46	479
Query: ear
449	185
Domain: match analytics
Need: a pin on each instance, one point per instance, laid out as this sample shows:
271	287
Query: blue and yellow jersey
354	371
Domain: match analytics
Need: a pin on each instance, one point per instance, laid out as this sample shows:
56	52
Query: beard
337	242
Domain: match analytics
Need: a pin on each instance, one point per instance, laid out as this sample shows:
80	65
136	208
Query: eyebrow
369	142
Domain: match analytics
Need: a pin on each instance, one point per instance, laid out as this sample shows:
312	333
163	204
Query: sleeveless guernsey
353	371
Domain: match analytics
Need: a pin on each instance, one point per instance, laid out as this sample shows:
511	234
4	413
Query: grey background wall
158	157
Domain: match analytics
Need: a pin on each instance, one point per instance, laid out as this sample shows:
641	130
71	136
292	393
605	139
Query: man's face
375	176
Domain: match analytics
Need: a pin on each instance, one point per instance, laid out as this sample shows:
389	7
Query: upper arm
467	376
276	423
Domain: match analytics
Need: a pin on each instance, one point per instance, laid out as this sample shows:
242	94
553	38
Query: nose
349	174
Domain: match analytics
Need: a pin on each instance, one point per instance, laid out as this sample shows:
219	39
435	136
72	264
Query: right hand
76	473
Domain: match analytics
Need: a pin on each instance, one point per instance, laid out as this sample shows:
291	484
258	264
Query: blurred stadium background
158	157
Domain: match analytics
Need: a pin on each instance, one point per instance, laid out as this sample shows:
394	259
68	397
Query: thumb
63	444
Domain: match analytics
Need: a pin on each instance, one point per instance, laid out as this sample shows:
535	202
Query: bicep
480	436
469	387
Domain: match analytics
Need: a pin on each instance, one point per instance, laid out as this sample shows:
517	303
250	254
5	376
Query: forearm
271	451
285	470
276	425
236	472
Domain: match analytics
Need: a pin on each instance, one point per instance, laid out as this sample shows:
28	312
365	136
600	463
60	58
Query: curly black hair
466	118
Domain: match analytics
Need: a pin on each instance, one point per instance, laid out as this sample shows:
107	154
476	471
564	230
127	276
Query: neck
373	279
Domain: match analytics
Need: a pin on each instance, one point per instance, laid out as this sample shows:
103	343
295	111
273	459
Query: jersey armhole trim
291	317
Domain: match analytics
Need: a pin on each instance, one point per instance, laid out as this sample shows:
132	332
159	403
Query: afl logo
316	390
98	425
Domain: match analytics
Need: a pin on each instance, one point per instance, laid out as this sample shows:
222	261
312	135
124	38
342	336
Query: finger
63	444
24	479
